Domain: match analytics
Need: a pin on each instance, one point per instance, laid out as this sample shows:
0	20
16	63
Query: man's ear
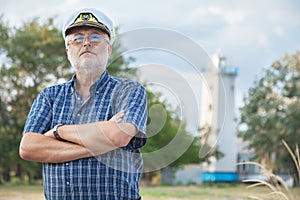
67	50
109	50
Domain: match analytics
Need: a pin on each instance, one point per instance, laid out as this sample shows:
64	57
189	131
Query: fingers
118	117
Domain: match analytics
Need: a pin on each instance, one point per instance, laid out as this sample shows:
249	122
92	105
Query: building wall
209	120
218	119
227	137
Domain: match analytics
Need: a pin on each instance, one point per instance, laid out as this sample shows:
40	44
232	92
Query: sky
250	34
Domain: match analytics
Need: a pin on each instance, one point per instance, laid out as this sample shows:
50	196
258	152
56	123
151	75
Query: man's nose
87	42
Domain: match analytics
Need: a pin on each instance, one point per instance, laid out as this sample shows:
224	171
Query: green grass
198	192
9	192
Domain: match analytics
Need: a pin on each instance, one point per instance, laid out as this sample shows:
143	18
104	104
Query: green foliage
118	65
163	126
3	33
271	112
34	57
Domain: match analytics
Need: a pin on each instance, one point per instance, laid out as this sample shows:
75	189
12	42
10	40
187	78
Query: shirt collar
97	86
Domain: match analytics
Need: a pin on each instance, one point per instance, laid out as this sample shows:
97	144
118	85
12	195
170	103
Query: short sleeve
131	97
39	118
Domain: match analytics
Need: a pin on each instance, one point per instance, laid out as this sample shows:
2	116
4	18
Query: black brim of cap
88	24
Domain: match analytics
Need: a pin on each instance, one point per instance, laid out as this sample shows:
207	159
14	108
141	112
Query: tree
118	65
34	57
164	125
271	113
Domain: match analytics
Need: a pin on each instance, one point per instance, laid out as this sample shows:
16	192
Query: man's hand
118	117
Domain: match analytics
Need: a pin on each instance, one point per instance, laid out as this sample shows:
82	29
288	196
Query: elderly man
87	132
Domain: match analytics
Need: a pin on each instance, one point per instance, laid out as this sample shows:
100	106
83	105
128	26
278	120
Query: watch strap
55	132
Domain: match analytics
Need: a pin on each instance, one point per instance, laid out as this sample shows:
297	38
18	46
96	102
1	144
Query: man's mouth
85	52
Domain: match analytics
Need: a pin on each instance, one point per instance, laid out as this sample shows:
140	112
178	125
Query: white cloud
279	31
235	17
263	39
230	16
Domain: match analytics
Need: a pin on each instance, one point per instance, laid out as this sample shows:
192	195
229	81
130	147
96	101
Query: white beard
88	66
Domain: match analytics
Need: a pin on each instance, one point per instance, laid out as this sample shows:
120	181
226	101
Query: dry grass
278	189
21	192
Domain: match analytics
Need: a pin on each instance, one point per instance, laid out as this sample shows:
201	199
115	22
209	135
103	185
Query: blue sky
251	34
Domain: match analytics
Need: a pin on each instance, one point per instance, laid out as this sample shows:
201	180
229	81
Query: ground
220	192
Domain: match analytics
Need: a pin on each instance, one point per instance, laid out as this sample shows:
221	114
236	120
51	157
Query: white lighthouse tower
218	127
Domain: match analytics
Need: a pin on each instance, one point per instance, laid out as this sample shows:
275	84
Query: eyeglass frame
84	38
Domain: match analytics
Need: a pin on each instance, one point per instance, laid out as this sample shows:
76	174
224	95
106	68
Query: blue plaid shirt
114	175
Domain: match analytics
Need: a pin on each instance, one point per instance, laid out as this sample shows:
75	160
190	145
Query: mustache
86	50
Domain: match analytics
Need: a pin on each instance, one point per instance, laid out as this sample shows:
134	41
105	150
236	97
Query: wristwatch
55	132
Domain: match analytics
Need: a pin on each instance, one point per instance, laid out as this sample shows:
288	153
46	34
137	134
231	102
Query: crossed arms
82	141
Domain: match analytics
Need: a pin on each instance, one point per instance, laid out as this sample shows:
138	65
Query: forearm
40	148
98	137
84	140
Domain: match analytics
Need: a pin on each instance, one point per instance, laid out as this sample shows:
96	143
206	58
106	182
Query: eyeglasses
94	39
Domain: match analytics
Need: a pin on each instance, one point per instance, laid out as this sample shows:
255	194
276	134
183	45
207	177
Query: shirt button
78	114
68	183
67	164
78	98
97	92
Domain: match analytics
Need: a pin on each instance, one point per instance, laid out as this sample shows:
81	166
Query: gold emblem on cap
86	17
